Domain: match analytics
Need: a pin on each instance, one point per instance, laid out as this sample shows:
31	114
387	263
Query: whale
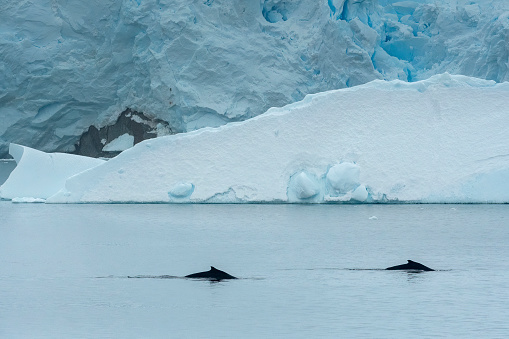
213	274
411	265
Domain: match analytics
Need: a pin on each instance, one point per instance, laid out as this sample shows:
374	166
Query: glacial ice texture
67	65
444	139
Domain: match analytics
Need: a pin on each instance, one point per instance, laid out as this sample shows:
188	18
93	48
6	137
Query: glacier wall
67	64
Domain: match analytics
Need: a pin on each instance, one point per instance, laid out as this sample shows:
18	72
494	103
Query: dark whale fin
411	265
213	274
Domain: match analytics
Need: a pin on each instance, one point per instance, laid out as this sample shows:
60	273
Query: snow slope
67	64
444	139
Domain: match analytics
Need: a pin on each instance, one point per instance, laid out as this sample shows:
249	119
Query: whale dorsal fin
410	261
212	268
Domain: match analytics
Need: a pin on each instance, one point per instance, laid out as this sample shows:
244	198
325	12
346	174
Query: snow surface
444	139
67	65
39	175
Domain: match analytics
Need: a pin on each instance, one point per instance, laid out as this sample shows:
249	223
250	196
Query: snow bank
440	140
39	175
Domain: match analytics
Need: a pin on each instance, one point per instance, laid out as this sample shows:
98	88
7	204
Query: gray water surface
306	271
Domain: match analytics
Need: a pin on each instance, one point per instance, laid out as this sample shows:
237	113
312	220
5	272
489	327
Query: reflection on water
305	271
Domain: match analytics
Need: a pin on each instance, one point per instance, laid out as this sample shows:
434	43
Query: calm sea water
306	271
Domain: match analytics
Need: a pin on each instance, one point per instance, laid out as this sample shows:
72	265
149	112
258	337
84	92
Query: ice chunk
39	175
182	190
303	186
360	194
120	144
405	7
344	177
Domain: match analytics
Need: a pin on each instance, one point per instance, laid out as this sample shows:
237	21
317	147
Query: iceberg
441	140
39	175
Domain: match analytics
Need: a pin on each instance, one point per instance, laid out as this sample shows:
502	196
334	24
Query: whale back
411	265
212	274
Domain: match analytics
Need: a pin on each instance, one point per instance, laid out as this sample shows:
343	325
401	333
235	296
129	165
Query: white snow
120	143
444	139
67	65
39	175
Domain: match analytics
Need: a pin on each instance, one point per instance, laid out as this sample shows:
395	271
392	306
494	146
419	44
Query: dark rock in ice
134	123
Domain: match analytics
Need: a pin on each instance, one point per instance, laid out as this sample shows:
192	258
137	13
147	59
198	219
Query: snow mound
439	140
39	175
